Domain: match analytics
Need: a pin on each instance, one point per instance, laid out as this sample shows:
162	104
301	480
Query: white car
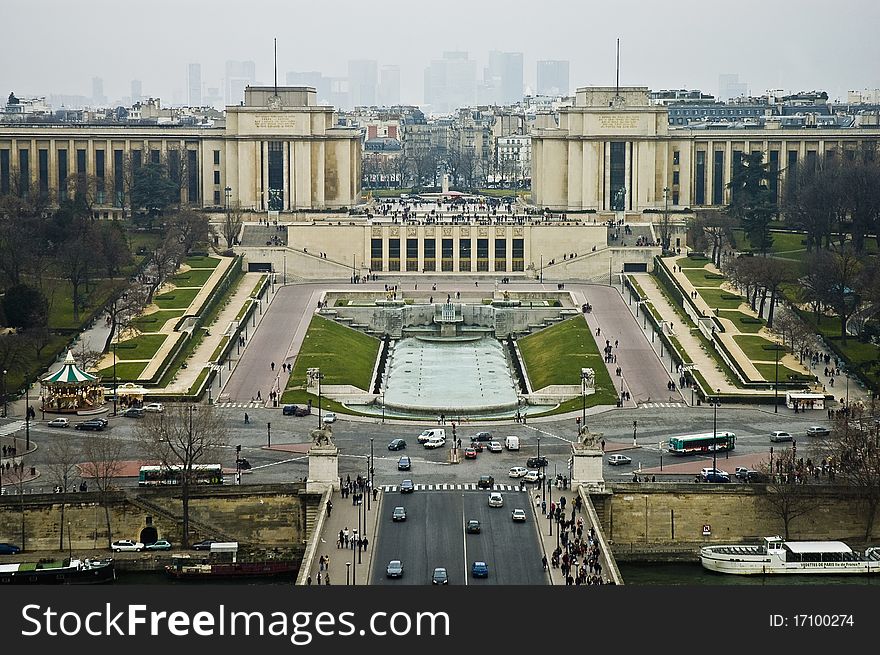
518	515
517	472
704	473
779	435
59	423
496	499
818	431
614	460
494	447
532	476
126	545
435	442
154	407
329	417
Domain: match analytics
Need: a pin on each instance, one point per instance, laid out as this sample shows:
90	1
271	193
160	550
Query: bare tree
787	497
164	261
182	437
832	279
103	464
232	223
61	463
123	311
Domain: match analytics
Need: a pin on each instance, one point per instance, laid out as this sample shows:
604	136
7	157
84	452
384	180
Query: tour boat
184	568
66	571
777	556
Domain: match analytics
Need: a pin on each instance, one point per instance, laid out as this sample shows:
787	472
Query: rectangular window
154	156
446	254
773	169
81	171
675	157
718	178
811	159
464	255
500	254
376	255
24	173
43	172
99	175
518	253
136	159
192	175
62	174
737	166
412	254
430	246
618	175
216	158
118	178
4	171
791	166
216	198
174	166
276	175
482	254
393	254
216	177
675	197
675	177
700	179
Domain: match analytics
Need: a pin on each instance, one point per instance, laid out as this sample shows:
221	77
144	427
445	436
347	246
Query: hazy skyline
60	46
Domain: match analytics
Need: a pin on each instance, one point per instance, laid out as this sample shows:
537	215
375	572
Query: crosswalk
454	487
9	428
248	405
662	405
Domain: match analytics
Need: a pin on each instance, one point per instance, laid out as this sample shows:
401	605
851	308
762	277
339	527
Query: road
433	535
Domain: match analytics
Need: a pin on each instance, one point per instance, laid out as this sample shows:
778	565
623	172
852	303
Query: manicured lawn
59	295
344	355
753	348
176	298
699	277
692	262
302	397
718	298
863	357
194	389
202	262
556	355
141	347
743	322
782	241
154	322
195	277
769	372
125	372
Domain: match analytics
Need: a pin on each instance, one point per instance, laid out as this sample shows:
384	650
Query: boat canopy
803	547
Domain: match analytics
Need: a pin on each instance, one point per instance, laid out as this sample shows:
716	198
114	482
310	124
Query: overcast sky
57	46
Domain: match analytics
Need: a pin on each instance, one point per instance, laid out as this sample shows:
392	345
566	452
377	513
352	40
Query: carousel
71	390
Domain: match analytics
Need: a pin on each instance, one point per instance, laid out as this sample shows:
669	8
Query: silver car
394	569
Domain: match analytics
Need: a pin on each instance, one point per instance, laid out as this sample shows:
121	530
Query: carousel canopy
70	373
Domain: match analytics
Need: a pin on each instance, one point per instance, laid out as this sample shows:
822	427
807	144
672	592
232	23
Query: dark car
756	476
394	569
717	477
404	463
134	412
243	464
397	444
439	576
537	462
93	425
295	410
407	487
481	436
473	527
204	545
9	549
399	514
486	482
480	570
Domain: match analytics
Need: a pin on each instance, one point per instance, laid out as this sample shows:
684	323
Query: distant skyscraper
552	78
363	80
313	79
136	91
194	84
507	69
389	86
729	87
98	97
239	74
450	82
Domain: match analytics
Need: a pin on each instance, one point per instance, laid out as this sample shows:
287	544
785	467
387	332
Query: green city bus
708	442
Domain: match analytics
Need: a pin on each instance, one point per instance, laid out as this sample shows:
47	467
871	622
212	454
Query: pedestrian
309	581
543	563
329	507
272	366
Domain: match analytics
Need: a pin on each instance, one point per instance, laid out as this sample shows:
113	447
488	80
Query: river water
695	575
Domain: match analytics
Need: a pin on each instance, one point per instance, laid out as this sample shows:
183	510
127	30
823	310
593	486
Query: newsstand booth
804	400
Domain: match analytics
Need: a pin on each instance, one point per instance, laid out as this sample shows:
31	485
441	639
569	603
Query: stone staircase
312	510
195	525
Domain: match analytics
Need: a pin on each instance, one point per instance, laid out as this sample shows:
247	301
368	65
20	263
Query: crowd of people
578	557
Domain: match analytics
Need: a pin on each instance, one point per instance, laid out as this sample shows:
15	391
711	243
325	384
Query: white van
511	443
432	432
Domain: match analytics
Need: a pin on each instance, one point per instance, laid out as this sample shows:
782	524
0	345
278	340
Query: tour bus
701	443
161	475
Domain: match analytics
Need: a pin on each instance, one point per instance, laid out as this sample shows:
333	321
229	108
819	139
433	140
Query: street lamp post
543	486
4	392
347	573
776	381
238	464
319	376
715	404
665	230
372	481
27	415
550	513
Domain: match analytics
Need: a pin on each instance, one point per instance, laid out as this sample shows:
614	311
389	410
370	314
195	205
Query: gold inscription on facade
619	122
274	122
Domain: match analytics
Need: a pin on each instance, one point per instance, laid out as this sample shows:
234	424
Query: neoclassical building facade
614	151
278	150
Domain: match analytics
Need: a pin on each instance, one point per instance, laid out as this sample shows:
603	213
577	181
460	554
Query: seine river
694	574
